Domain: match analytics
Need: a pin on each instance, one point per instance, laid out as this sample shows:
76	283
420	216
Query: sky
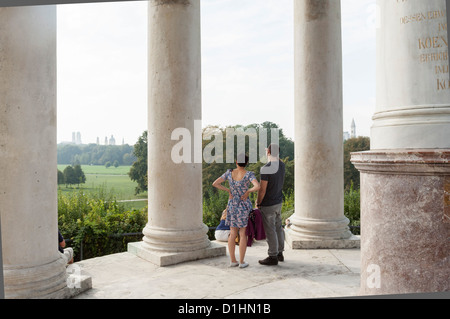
247	66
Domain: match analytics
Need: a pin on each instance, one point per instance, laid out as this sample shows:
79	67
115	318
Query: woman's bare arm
255	188
218	184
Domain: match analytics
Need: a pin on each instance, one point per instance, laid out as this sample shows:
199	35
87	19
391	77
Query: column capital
171	2
403	161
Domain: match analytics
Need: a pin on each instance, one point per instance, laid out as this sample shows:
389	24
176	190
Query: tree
128	159
211	171
94	154
69	176
351	174
72	175
60	177
67	152
138	171
79	174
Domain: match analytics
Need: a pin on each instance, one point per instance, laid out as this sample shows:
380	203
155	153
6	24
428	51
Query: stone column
2	283
405	178
319	220
28	188
175	231
447	4
413	85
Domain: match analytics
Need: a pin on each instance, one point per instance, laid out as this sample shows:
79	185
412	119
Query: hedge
90	221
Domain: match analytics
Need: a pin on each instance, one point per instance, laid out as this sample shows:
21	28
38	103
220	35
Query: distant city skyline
76	139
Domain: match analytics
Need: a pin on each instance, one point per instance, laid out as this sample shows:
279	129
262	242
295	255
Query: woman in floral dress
239	207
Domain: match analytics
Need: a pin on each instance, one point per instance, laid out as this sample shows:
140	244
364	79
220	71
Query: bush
288	205
213	205
92	220
352	208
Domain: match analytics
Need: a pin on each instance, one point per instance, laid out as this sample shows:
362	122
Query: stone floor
304	274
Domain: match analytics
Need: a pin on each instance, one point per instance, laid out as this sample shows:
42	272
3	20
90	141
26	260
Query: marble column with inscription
413	85
318	221
405	177
447	4
175	231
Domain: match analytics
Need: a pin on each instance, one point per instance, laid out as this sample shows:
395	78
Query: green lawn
112	180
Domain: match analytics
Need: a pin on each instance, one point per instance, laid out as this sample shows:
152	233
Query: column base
164	259
308	233
78	284
51	281
405	221
41	281
297	243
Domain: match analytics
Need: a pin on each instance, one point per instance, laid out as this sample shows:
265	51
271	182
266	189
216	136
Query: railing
69	241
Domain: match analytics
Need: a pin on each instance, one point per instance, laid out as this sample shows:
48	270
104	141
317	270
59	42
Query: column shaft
28	190
319	194
413	86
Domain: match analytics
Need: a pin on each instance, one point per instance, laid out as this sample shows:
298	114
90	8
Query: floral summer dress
238	210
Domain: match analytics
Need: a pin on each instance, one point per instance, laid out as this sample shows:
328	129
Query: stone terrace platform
304	274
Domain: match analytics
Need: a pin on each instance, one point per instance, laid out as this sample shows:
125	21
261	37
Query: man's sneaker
269	261
280	257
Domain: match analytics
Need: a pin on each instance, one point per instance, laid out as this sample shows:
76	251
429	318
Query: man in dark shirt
269	202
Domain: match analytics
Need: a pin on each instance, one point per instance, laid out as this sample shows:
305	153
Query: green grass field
112	180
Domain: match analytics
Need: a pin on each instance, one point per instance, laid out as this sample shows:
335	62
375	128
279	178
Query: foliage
93	154
138	171
71	175
213	206
79	174
288	205
92	219
351	174
211	171
352	207
60	177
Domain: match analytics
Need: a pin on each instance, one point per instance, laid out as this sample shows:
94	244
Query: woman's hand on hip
245	196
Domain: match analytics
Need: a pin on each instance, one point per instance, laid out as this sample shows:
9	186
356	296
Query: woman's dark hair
242	160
